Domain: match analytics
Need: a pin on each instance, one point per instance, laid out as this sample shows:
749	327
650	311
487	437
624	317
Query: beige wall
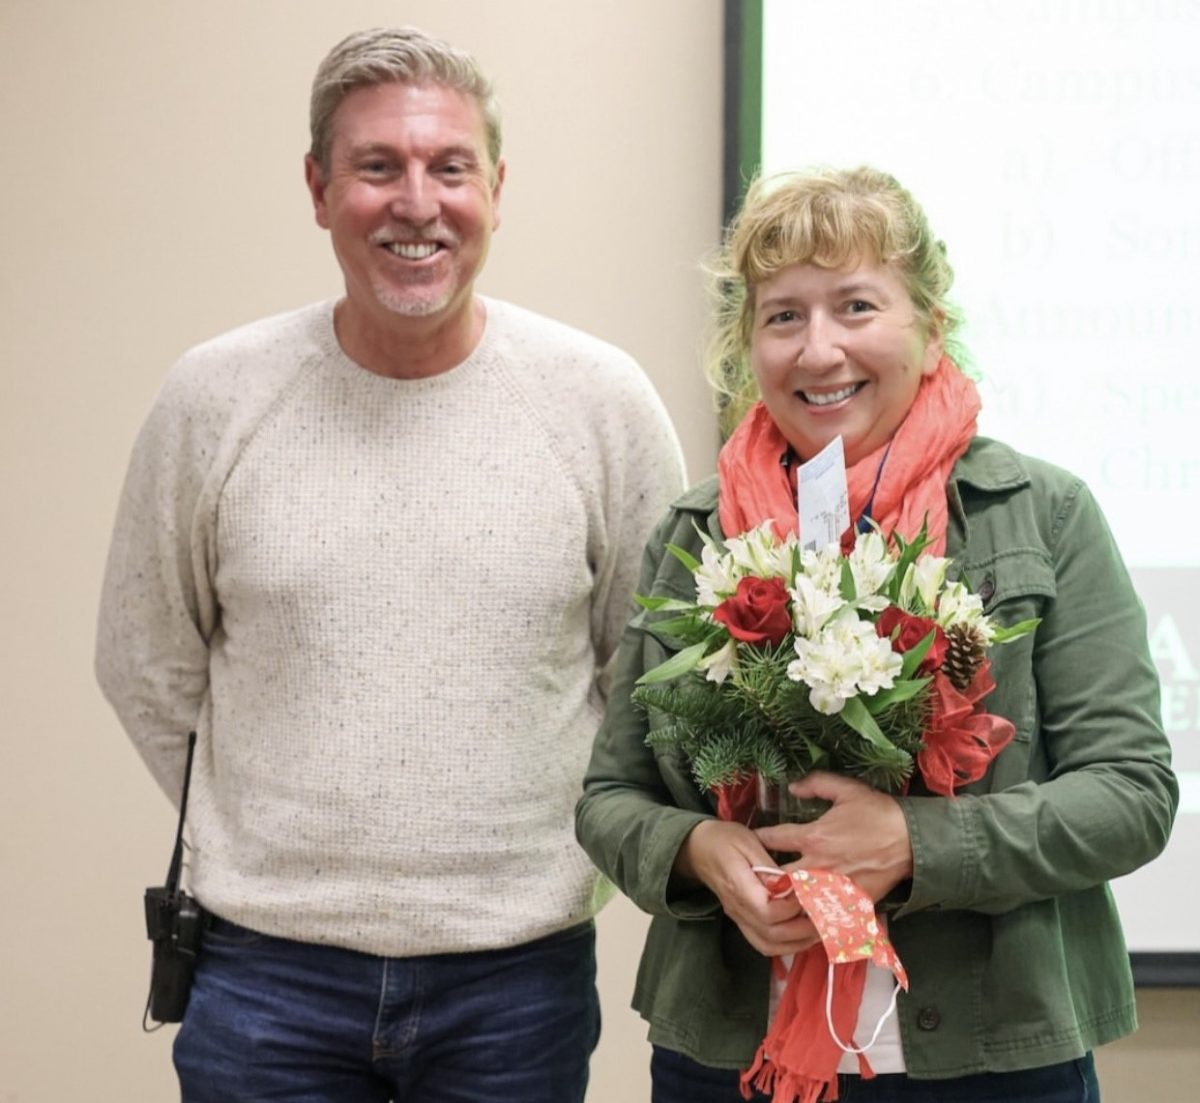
153	197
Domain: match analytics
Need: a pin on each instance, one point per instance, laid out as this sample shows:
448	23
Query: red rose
912	630
758	612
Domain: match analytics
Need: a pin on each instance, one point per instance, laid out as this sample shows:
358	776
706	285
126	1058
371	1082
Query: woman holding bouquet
834	321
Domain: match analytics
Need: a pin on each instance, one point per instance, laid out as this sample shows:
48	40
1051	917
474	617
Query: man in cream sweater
378	553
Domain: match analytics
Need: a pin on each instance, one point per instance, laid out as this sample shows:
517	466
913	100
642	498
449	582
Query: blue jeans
269	1018
678	1079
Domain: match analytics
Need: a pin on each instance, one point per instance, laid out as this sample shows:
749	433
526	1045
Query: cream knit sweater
386	607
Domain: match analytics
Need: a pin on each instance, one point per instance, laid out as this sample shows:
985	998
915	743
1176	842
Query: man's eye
782	317
859	306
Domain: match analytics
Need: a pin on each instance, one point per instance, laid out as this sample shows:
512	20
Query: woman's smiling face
839	351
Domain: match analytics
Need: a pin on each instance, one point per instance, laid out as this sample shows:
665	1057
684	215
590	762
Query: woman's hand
721	856
864	835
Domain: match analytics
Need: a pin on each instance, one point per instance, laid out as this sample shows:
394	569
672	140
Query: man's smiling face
410	198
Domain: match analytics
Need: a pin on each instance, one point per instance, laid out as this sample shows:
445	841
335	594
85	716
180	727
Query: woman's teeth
829	397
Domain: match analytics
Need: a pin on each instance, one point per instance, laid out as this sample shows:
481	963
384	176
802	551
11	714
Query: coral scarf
911	486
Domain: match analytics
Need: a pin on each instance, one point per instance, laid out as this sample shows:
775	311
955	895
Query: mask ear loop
891	1010
771	871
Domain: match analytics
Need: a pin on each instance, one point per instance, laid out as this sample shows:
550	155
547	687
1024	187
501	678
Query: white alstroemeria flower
830	673
959	606
814	667
881	665
871	567
877	664
846	659
812	606
873	603
784	557
825	699
823	566
923	580
720	664
761	553
716	577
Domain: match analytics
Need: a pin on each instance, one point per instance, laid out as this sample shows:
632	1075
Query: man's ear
314	177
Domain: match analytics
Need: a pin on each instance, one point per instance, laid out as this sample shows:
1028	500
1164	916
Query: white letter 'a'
1168	650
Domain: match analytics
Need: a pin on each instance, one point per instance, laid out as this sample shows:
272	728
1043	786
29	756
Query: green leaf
684	557
816	753
688	626
706	537
912	658
903	690
908	556
846	588
669	604
682	662
1014	631
855	713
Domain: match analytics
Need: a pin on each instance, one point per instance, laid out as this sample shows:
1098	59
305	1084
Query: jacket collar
990	466
701	498
701	502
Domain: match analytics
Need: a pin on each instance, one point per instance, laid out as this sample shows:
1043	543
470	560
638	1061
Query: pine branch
734	756
763	723
885	770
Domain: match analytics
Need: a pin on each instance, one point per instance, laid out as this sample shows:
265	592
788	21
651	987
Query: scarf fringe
798	1059
785	1087
766	1077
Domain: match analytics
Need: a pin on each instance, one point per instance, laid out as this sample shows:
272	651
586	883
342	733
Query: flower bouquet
868	664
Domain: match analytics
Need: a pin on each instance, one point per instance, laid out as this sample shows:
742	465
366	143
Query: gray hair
402	54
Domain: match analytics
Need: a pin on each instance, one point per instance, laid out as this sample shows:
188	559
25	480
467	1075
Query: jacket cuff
673	896
944	833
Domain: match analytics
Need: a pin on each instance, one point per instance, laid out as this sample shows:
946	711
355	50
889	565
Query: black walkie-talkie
175	925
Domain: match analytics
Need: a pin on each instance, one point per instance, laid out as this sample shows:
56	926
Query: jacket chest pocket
1015	585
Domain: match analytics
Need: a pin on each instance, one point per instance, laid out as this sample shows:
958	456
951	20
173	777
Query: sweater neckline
354	372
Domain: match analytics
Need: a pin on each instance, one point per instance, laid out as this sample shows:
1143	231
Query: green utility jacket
1008	931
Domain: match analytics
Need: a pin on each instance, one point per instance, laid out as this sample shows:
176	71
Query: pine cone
964	655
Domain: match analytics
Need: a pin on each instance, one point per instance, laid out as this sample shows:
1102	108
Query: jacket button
987	589
929	1018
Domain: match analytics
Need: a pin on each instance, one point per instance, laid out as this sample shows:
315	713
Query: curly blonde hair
826	217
